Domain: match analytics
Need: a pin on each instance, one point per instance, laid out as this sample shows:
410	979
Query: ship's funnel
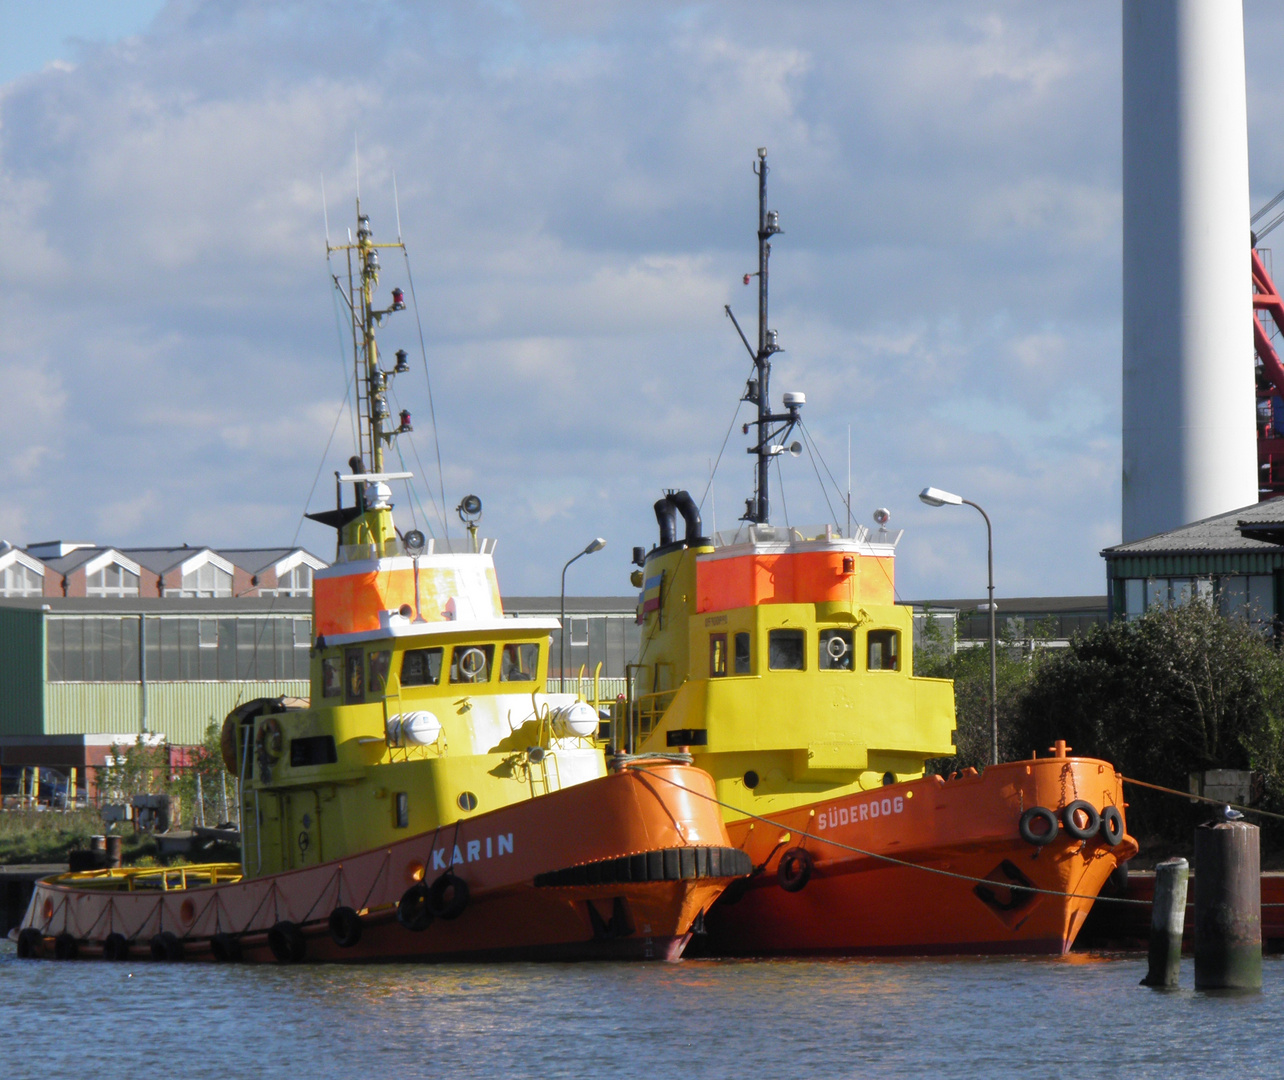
666	515
690	514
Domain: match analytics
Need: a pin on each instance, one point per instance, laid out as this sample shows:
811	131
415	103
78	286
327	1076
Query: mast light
381	409
405	422
402	365
398	300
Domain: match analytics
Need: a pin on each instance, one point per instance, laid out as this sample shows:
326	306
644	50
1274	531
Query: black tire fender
287	943
166	946
1072	826
31	944
225	948
794	869
1026	826
116	947
1112	825
345	927
413	911
66	947
448	896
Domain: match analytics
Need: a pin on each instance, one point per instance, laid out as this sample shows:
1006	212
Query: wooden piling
1228	907
1167	921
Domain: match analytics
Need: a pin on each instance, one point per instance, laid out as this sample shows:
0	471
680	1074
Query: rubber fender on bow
413	911
448	896
116	947
287	943
166	946
345	927
794	869
1027	829
31	943
1070	820
1112	825
226	948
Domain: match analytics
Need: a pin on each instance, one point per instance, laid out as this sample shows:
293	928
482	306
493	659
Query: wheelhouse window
421	667
331	677
471	663
519	662
786	650
354	676
380	662
742	654
717	655
884	650
836	650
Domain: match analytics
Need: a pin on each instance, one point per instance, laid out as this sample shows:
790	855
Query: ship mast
758	508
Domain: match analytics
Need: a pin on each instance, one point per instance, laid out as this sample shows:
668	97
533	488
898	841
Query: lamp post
597	545
936	497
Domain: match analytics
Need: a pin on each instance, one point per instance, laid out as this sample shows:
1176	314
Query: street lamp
597	545
936	497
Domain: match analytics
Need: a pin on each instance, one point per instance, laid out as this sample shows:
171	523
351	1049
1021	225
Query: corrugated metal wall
22	672
180	711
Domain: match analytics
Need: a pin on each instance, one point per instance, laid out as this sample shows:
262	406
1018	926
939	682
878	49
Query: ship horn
667	516
686	506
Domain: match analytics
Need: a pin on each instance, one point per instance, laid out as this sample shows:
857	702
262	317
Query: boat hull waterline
967	826
535	888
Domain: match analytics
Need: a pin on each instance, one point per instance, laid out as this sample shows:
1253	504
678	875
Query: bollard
1228	907
113	852
1167	921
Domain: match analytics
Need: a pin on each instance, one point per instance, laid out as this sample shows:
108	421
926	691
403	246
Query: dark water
1081	1017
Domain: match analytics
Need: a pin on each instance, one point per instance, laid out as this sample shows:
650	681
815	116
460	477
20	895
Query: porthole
467	800
751	779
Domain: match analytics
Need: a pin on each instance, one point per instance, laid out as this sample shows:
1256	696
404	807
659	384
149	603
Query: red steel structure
1270	382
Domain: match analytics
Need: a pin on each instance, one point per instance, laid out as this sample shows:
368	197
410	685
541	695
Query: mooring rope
1202	798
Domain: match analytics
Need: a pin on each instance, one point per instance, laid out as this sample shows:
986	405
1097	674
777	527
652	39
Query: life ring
448	896
413	911
287	943
116	947
1025	826
225	948
794	869
345	927
66	947
31	943
1112	825
244	714
270	740
1081	832
472	662
166	946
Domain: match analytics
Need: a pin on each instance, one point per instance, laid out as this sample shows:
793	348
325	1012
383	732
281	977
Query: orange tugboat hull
616	868
964	879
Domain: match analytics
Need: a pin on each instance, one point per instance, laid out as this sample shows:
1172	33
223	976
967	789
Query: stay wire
718	460
811	439
432	409
807	442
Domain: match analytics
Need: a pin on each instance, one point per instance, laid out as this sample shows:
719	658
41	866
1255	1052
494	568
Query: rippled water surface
1079	1017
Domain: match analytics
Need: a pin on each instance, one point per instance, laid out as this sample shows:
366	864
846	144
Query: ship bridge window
786	650
331	677
742	654
717	655
519	662
421	667
354	676
380	662
836	650
884	650
471	663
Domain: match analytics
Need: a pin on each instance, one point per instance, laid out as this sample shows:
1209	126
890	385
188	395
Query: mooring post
1228	907
1167	921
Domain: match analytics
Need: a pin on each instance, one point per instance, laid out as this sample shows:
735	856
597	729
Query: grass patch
33	836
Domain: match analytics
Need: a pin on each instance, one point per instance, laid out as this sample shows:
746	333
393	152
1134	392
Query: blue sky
576	195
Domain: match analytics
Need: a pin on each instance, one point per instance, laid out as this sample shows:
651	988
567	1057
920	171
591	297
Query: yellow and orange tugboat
431	800
779	658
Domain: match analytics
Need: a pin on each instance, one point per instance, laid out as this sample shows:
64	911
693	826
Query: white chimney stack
1189	427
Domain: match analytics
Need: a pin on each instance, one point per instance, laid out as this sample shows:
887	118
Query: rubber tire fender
166	946
1077	831
1112	825
225	948
287	942
794	869
31	944
457	887
1028	834
413	910
116	947
345	927
66	947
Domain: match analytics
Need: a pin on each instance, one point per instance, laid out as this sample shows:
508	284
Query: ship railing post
1167	922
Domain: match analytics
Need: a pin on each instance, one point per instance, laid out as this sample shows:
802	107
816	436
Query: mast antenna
325	213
